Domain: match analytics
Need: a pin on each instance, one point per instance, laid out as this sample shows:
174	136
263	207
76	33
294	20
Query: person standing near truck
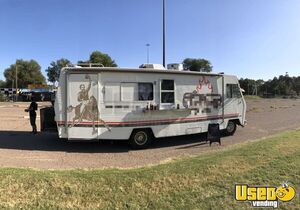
32	114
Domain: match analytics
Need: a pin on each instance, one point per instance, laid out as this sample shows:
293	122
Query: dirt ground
19	148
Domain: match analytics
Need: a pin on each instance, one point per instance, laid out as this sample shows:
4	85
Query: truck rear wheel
140	138
230	129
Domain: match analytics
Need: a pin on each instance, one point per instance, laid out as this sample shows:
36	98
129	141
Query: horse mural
87	109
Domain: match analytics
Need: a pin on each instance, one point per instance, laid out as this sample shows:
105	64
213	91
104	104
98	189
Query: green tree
2	84
297	85
53	71
28	72
99	57
3	97
200	64
284	85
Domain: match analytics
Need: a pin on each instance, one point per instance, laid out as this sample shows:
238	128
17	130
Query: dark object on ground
213	134
47	119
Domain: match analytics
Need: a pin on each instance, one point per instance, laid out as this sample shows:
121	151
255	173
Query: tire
140	139
230	129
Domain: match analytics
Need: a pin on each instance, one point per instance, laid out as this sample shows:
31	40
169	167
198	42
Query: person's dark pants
32	123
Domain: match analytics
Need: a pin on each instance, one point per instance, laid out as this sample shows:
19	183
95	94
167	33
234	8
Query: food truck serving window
167	91
132	91
233	91
112	92
128	91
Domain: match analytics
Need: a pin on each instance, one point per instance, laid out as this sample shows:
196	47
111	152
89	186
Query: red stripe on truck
179	120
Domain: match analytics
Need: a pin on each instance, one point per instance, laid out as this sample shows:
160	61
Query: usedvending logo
260	196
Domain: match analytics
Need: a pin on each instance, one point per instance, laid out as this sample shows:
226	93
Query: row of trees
284	85
29	72
55	67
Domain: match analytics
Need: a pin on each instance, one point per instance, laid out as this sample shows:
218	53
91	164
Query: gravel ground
19	148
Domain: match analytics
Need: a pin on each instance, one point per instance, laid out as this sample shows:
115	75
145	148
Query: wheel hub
230	127
140	138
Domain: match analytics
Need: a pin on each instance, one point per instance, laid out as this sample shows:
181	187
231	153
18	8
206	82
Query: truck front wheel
140	139
230	129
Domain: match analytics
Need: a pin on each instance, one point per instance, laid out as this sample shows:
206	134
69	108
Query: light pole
16	82
148	45
164	33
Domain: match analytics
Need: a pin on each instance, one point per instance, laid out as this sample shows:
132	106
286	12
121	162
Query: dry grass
252	97
203	182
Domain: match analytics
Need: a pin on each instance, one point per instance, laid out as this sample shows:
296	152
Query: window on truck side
128	91
167	91
112	92
233	91
132	91
145	91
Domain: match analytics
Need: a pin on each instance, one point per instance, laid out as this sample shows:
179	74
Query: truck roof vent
90	64
152	66
175	66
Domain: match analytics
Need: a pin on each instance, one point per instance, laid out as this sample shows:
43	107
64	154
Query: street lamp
16	81
148	45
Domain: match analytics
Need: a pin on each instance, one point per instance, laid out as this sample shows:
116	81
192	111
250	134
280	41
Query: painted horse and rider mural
87	109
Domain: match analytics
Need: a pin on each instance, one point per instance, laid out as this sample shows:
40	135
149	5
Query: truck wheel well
236	121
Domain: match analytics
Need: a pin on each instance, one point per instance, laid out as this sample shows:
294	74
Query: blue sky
248	38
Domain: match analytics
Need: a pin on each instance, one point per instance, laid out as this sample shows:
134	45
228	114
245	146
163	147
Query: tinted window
167	85
167	97
145	91
167	91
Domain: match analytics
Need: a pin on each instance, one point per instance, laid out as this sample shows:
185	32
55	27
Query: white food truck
144	103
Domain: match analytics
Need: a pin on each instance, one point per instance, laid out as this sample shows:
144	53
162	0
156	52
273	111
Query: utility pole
164	33
16	81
